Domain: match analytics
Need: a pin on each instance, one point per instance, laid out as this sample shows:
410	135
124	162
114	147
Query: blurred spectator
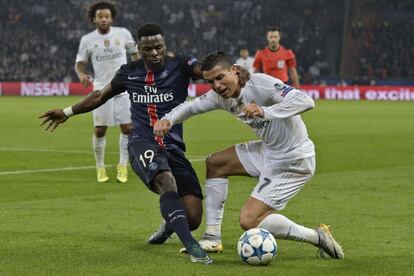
245	60
383	47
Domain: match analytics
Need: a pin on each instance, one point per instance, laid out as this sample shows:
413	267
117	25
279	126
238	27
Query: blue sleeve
188	63
118	80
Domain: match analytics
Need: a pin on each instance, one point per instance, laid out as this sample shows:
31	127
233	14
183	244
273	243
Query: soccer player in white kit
245	60
283	159
107	48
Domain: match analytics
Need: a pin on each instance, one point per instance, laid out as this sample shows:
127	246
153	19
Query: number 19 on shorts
147	157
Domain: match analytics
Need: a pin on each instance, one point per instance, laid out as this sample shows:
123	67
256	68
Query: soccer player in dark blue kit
156	84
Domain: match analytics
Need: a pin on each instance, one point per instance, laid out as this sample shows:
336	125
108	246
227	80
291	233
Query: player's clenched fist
86	80
53	118
253	110
161	127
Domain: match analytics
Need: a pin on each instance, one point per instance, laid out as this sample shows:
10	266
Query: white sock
283	228
99	150
123	149
216	194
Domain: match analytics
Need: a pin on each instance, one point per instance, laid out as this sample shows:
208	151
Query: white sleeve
202	104
130	45
287	100
294	103
83	53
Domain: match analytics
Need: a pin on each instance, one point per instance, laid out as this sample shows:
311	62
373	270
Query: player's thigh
184	174
148	160
224	163
104	115
253	212
279	183
250	155
122	105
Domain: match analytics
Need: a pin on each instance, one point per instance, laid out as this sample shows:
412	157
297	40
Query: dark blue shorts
148	159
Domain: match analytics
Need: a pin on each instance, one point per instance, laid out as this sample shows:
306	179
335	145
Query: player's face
224	81
273	39
153	51
103	20
244	53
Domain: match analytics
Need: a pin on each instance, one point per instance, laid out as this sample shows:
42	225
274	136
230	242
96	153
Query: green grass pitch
56	220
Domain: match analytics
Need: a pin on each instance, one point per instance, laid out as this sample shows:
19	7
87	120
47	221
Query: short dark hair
213	59
149	29
273	29
101	5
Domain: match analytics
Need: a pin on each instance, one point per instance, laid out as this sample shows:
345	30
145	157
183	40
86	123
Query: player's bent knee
100	131
164	182
126	129
214	166
247	224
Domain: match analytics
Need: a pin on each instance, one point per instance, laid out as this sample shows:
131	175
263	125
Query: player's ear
235	68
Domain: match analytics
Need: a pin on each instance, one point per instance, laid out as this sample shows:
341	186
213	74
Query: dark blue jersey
152	95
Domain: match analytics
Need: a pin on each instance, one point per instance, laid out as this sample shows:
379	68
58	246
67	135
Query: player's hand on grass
53	118
252	110
161	127
85	80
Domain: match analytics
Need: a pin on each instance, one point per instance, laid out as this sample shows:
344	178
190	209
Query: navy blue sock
173	212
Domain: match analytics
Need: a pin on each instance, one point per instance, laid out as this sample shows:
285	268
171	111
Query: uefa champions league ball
257	246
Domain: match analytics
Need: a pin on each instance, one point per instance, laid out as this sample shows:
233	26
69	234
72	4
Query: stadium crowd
40	38
385	51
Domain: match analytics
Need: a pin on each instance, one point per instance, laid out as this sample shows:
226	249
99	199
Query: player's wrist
68	111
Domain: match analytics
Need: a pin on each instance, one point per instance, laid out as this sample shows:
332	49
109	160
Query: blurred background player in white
106	48
283	159
245	60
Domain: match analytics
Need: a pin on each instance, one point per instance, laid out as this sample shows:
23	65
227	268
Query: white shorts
114	112
278	181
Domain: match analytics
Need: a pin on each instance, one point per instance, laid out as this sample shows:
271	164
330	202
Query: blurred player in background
275	60
107	48
245	60
283	159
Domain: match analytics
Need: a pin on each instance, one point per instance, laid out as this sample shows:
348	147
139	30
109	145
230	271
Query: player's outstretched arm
84	78
53	118
294	103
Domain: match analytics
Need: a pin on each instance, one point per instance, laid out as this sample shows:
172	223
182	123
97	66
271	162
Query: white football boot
327	244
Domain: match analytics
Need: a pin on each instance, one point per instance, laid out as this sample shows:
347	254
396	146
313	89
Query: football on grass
257	246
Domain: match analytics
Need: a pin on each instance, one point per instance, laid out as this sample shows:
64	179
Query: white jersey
282	130
246	63
107	52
